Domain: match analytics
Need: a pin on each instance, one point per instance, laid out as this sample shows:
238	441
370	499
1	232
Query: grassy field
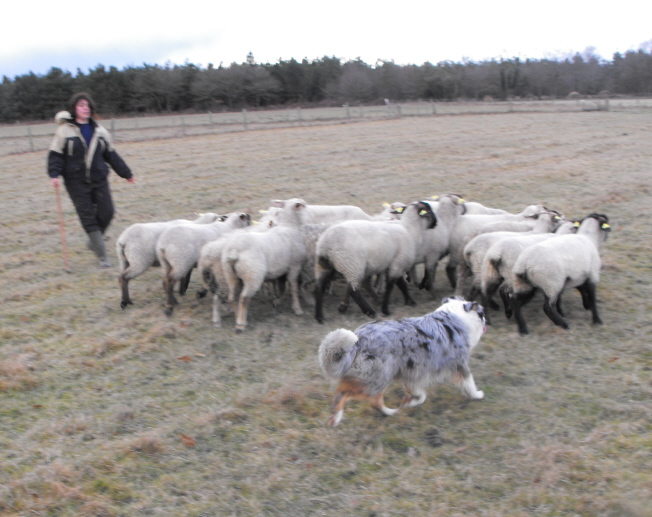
105	412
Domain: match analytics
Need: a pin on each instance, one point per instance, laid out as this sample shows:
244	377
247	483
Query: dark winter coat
76	162
84	169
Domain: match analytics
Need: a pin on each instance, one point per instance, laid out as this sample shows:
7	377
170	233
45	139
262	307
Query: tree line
326	81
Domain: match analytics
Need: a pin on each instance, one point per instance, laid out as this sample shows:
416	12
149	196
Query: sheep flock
488	251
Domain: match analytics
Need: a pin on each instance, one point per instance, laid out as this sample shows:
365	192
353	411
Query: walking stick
62	230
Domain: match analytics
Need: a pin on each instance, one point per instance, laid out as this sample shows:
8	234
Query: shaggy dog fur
420	351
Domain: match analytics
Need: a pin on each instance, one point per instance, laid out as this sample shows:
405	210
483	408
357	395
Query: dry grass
107	412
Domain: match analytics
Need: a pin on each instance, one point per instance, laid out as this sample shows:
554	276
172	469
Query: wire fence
23	138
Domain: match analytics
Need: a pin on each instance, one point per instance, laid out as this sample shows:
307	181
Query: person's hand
54	182
131	180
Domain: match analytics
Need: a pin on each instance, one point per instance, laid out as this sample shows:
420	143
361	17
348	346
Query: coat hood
62	117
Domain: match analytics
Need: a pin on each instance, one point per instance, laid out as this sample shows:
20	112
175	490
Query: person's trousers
93	204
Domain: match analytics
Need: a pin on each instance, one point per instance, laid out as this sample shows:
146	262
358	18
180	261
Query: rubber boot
97	245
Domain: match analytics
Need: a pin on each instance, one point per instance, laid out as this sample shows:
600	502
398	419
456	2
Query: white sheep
209	264
498	262
179	247
136	249
435	245
361	249
475	208
328	214
470	225
559	263
250	258
476	248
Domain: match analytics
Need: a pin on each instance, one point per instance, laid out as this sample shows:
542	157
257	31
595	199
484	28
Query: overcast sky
39	35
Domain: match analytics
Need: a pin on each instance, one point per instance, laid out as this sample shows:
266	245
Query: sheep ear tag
576	224
606	227
423	212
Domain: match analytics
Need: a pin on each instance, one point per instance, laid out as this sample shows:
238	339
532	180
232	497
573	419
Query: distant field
105	412
18	138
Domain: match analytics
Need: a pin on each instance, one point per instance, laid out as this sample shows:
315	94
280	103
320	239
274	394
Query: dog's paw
335	418
479	395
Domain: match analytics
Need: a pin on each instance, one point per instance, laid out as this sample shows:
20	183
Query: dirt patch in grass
111	412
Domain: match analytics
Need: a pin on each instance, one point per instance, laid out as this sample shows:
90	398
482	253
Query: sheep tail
337	352
122	258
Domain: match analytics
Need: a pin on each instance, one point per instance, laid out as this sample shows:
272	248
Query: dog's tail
337	352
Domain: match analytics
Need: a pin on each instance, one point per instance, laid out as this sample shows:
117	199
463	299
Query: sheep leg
344	304
588	290
483	302
463	274
326	276
294	290
403	286
362	303
426	281
518	300
507	304
366	283
550	308
124	286
241	314
451	273
585	297
168	287
184	283
388	292
217	321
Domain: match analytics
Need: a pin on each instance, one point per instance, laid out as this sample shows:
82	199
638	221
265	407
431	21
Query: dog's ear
471	306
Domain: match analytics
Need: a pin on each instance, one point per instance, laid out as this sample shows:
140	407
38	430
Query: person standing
80	153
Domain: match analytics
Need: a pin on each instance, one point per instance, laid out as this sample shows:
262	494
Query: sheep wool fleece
84	170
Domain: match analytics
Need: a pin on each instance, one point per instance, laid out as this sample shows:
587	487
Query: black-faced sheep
435	246
476	248
557	264
498	262
470	225
361	249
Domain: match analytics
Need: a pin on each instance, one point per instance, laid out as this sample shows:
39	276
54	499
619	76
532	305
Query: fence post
183	126
399	113
433	108
210	118
361	111
31	139
113	128
299	116
137	126
348	112
244	119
